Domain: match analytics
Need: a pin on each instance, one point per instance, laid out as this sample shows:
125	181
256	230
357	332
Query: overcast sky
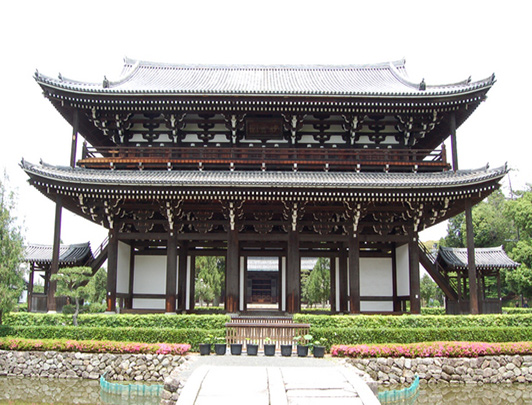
443	43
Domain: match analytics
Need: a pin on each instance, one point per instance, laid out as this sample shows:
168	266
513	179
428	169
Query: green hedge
142	335
415	321
120	321
518	310
354	336
433	311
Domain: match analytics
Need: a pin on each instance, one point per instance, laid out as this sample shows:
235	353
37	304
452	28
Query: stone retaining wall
489	369
121	367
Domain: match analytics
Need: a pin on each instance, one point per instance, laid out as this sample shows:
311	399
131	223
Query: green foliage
122	320
433	311
317	286
520	210
71	282
431	294
119	334
520	280
11	251
210	278
96	288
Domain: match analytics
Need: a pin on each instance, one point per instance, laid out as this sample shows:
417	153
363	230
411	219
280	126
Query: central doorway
263	283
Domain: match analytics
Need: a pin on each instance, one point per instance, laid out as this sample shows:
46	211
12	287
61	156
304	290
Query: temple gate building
275	162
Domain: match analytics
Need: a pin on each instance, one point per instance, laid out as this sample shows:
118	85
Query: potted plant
205	348
252	349
269	347
220	346
236	349
286	350
303	343
319	347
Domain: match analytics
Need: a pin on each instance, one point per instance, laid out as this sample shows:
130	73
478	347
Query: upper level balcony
263	158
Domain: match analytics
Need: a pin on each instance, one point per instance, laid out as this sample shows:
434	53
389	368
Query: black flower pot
319	351
236	349
220	348
302	351
269	349
286	350
205	349
252	349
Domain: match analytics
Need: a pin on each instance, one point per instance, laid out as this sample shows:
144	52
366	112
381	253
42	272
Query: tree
97	287
431	294
72	282
11	252
209	278
317	288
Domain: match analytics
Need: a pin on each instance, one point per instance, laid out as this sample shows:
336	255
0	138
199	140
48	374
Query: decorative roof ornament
422	85
105	82
60	76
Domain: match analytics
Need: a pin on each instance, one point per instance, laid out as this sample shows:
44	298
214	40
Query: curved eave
373	183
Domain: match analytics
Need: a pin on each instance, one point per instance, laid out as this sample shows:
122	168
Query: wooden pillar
471	265
129	300
30	286
75	130
354	274
452	130
171	272
343	279
413	259
232	272
112	267
396	303
191	269
182	277
332	269
293	270
54	268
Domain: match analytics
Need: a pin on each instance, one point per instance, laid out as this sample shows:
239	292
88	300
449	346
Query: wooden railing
259	158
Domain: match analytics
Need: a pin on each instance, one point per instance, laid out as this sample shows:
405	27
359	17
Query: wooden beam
182	276
343	280
413	259
112	268
171	273
471	265
232	272
293	273
129	299
54	268
354	274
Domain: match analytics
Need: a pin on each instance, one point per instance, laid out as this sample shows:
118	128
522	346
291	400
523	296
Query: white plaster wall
148	303
150	275
377	306
122	273
376	276
403	278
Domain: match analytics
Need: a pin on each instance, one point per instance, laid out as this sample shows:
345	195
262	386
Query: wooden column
343	280
171	272
75	130
354	274
54	268
129	300
332	269
452	130
191	269
112	267
413	259
471	265
293	276
232	272
30	285
182	277
396	302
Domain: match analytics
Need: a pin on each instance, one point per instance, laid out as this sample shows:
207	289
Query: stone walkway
272	380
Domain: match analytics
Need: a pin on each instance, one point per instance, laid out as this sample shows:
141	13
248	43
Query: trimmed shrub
518	310
433	311
120	320
120	334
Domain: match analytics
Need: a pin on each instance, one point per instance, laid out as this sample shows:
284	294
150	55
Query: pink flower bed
93	346
433	349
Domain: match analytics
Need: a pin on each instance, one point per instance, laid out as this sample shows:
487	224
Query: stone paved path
272	380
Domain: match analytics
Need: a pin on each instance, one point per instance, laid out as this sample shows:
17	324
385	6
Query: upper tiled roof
383	79
68	254
266	179
485	258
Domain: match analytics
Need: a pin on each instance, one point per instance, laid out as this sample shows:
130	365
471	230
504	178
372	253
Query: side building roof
485	258
69	255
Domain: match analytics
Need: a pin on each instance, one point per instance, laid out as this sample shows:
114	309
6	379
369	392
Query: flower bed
433	349
92	346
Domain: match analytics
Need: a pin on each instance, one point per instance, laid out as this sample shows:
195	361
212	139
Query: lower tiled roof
485	258
266	179
68	254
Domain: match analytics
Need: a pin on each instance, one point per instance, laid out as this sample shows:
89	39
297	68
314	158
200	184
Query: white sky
442	42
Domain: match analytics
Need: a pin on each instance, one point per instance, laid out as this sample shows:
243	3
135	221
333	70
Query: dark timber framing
199	167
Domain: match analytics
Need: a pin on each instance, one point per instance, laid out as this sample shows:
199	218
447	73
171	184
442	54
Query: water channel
17	390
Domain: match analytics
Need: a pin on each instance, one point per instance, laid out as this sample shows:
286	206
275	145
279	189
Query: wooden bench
256	330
